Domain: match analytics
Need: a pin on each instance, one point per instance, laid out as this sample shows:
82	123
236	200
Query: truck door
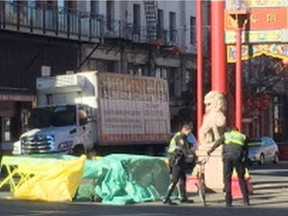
85	128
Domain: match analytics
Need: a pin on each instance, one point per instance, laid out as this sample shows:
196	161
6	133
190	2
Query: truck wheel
276	158
262	159
78	150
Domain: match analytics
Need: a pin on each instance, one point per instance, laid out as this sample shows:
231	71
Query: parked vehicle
262	150
91	110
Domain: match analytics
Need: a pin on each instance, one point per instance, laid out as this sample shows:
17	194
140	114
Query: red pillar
218	49
238	80
199	64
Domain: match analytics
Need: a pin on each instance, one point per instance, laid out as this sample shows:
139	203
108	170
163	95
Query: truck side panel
133	109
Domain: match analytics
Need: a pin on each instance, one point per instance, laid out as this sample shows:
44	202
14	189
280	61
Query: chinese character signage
266	23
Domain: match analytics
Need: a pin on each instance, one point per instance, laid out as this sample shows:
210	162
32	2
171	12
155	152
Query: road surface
270	183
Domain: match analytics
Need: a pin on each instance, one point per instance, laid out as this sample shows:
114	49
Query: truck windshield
52	116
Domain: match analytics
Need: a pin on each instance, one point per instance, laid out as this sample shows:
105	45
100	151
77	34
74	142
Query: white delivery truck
97	110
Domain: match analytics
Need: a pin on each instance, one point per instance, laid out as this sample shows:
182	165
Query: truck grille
37	144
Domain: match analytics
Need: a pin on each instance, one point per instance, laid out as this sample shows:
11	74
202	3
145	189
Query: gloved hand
209	152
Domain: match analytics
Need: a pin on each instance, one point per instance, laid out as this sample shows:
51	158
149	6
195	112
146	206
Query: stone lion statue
214	120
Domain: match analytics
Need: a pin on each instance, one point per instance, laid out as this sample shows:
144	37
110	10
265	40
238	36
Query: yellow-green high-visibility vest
234	137
173	145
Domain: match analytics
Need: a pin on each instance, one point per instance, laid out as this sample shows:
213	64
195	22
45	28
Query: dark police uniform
234	155
179	154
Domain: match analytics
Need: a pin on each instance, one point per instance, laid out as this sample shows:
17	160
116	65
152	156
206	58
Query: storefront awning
16	97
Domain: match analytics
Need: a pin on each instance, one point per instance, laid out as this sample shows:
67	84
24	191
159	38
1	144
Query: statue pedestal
213	168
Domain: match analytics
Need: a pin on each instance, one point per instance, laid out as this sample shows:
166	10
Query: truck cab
63	120
57	129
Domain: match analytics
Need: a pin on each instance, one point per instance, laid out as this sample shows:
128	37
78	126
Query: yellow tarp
58	182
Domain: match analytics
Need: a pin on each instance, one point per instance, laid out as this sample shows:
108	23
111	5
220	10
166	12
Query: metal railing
118	29
74	24
50	18
138	34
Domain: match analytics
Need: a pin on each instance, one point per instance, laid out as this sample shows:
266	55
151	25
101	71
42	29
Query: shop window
172	83
24	116
161	73
136	19
110	14
172	26
6	129
279	118
135	69
50	15
103	65
94	7
192	30
111	66
188	76
160	25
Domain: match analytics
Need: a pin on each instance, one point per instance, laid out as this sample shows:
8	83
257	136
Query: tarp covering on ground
58	182
114	179
123	178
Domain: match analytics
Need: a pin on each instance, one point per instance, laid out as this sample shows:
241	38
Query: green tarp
123	178
117	178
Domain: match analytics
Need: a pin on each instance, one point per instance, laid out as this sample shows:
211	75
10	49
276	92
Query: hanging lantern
176	50
158	44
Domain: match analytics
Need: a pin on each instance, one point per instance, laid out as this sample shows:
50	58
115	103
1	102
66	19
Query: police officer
234	156
180	154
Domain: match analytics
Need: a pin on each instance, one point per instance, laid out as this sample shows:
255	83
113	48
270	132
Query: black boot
183	194
167	199
169	202
246	201
228	205
186	200
228	199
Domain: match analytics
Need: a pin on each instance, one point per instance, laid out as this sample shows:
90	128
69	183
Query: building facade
150	38
146	38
